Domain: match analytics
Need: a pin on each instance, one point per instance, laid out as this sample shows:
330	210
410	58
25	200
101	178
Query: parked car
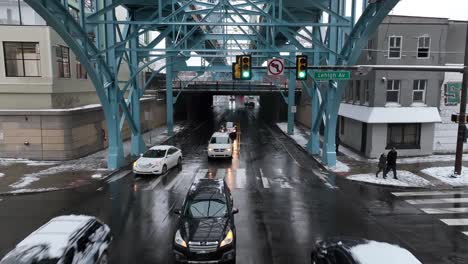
206	232
67	239
360	251
158	160
220	146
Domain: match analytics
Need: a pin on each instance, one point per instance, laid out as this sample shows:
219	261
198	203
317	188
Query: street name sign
332	75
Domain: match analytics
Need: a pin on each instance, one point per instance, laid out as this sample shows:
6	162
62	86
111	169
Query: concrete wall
456	42
62	135
352	136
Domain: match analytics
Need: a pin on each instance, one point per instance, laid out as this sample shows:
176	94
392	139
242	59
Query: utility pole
462	116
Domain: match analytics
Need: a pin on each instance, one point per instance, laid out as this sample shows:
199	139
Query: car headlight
228	149
179	240
134	164
210	149
228	239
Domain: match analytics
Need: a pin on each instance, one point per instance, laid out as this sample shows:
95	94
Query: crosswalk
236	179
451	207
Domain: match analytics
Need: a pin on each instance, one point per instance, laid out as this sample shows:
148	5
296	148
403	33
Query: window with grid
394	47
63	61
424	44
22	59
403	136
357	91
80	70
419	91
366	91
393	91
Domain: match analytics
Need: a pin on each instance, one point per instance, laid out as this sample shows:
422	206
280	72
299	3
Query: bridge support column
291	98
115	152
138	145
313	146
169	95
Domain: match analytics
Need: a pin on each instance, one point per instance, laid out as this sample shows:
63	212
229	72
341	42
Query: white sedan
158	160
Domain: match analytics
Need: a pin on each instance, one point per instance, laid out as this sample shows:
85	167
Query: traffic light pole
462	120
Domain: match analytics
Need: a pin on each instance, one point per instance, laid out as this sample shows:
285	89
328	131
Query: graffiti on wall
452	93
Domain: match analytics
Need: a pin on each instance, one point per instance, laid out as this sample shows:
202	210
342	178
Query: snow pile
382	253
96	176
28	179
2	174
339	167
33	190
405	179
443	174
11	161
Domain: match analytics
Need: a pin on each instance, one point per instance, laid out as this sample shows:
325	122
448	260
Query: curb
100	181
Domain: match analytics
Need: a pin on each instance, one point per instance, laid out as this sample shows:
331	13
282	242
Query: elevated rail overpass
330	32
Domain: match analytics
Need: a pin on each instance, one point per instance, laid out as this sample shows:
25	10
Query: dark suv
206	231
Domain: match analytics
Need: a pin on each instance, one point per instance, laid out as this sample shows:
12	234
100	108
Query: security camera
384	79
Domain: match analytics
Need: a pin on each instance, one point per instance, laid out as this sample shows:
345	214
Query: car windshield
207	208
229	124
155	153
219	140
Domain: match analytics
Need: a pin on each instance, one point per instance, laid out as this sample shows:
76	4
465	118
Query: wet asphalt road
286	203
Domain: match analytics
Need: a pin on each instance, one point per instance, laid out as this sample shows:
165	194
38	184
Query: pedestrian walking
382	163
391	163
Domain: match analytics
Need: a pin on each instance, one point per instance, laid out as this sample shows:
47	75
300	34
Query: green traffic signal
302	75
246	74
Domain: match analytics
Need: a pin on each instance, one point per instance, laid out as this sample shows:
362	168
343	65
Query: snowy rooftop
382	253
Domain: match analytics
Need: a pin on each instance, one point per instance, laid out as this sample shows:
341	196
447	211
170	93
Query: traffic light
301	67
236	71
246	67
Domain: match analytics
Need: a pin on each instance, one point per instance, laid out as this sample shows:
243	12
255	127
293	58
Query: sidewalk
425	172
27	176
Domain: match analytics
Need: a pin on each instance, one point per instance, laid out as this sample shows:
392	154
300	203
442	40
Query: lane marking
400	194
455	210
439	201
220	174
265	182
155	183
456	221
173	182
118	176
241	178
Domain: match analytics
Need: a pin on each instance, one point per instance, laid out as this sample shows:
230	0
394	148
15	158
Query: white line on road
399	194
241	178
118	176
439	201
220	174
173	182
155	183
454	210
265	182
455	221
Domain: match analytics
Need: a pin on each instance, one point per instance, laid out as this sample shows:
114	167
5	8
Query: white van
220	146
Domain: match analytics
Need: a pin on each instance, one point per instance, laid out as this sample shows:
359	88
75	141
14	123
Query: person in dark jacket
382	163
391	163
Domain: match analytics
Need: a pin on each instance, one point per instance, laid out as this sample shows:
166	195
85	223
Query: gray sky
453	9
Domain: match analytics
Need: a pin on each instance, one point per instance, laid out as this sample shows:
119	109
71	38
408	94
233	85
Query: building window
403	136
22	59
357	91
17	12
393	91
75	13
419	91
80	70
424	44
366	91
63	61
394	47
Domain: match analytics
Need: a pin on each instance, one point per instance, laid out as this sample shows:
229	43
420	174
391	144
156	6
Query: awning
380	115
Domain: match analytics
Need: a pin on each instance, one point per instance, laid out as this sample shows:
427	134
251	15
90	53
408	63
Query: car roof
56	234
211	187
162	147
220	134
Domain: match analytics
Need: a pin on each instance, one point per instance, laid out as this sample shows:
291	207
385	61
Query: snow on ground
96	176
11	161
2	174
405	179
382	253
302	140
427	159
33	190
444	173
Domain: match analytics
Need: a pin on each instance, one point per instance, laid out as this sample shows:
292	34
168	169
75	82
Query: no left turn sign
275	67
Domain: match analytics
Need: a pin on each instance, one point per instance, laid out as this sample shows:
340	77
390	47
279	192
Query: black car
359	251
206	231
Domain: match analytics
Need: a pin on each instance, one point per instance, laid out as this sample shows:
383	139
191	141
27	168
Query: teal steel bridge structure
330	32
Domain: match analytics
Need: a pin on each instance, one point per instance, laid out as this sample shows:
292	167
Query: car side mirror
235	211
177	211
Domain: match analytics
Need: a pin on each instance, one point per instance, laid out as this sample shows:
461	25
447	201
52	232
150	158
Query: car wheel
179	162
233	261
104	259
164	169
